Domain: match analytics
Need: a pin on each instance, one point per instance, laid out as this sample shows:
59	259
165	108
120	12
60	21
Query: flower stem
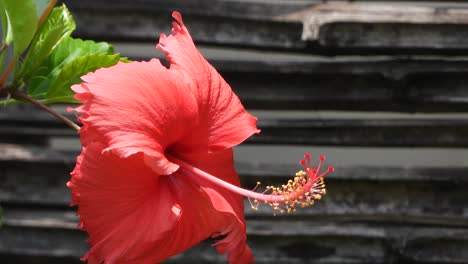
5	74
21	96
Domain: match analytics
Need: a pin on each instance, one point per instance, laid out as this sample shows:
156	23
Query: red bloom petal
135	216
136	107
124	206
144	107
133	115
224	122
226	202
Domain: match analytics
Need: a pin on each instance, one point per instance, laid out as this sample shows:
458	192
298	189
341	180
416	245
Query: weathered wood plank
213	29
278	172
373	84
359	25
26	160
344	132
360	132
425	92
242	9
392	83
11	154
397	202
41	245
392	67
271	240
277	25
267	250
413	201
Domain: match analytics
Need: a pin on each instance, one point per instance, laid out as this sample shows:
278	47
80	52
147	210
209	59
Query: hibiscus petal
133	215
234	244
136	107
224	122
125	208
145	107
224	202
139	112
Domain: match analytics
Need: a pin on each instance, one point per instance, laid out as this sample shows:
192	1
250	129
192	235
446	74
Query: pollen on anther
303	190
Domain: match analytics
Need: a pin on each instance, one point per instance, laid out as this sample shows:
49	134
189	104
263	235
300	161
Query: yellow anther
298	191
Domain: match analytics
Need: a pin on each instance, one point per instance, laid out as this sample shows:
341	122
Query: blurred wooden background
381	87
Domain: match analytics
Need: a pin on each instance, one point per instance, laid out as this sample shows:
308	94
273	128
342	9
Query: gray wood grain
312	131
50	235
325	28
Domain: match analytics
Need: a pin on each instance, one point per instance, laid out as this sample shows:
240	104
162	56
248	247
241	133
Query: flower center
306	187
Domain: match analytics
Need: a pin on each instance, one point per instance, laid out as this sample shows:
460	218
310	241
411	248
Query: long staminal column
307	186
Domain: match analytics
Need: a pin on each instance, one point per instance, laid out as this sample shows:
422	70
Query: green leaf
19	22
72	59
70	74
72	48
55	29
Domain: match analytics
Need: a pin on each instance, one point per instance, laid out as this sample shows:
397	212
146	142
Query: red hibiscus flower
156	174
